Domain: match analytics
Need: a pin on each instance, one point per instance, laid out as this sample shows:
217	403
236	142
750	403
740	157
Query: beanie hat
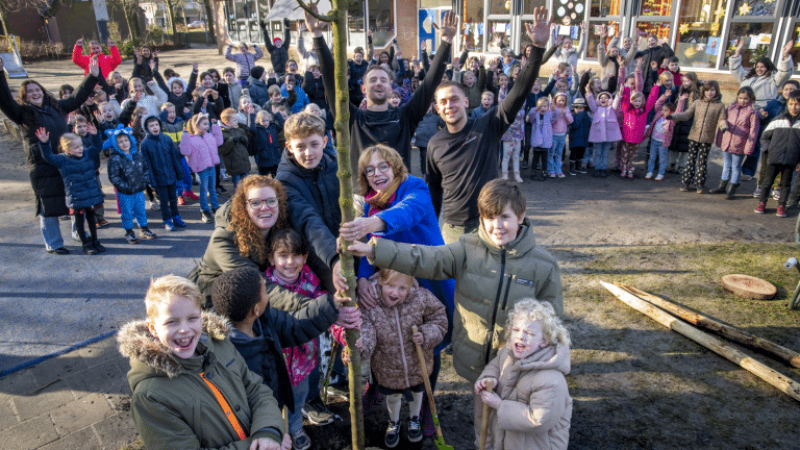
275	40
257	72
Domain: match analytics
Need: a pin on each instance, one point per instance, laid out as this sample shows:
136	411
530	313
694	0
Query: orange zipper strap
226	408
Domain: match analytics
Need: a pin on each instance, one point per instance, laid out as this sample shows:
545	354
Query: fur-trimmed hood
136	343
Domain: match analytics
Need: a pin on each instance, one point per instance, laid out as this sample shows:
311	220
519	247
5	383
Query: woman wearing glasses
398	207
241	238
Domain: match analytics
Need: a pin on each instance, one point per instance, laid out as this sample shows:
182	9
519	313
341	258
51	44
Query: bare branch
315	14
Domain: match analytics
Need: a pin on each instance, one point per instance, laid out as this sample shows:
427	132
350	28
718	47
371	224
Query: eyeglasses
257	203
382	168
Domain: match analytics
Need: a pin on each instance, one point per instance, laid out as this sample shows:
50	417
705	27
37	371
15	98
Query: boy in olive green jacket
492	269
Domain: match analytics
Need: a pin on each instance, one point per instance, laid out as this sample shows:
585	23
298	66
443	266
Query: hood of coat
144	124
136	343
553	357
221	218
717	99
524	242
177	80
111	140
163	117
288	164
376	285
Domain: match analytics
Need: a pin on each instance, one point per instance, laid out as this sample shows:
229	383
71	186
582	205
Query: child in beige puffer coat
533	409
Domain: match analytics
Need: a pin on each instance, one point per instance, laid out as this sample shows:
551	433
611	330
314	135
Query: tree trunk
345	175
210	21
171	13
6	31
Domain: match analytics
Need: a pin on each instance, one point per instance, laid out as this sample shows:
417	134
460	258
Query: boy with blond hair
182	363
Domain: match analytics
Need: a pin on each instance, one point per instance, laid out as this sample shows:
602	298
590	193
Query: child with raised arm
529	391
541	119
634	112
244	60
191	388
492	270
76	166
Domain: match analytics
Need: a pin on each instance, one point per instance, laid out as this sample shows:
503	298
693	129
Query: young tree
337	17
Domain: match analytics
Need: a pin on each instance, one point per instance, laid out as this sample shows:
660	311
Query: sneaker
757	192
523	165
596	173
659	177
154	205
630	174
181	200
97	246
206	217
145	233
130	237
561	175
178	222
781	211
338	390
190	195
603	173
89	249
300	440
684	187
745	177
316	412
102	223
414	430
552	174
59	251
392	436
223	174
582	168
169	226
648	176
776	194
221	189
760	208
623	174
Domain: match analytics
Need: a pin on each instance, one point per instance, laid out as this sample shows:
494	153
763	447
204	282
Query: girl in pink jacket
529	389
200	148
634	111
738	140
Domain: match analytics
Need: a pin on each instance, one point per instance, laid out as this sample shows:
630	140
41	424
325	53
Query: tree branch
316	15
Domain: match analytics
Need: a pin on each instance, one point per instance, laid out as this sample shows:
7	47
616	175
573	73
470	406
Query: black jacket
279	330
278	56
128	173
265	144
48	187
234	151
313	199
781	140
315	90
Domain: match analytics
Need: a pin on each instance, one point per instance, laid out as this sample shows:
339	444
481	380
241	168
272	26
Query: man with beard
463	157
380	123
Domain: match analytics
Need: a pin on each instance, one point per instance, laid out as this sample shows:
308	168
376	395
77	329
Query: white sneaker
659	177
648	176
223	174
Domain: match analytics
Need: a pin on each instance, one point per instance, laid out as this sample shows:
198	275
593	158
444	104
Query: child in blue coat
76	166
265	128
578	136
166	169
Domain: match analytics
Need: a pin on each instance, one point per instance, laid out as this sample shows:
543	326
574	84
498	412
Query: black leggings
169	201
271	170
539	155
91	220
576	153
773	170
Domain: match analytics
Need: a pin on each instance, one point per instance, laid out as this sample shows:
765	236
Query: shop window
594	36
700	26
381	22
795	51
472	14
499	30
499	6
755	8
757	40
603	8
659	29
529	5
355	25
657	7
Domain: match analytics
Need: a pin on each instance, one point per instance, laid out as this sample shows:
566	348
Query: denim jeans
656	150
185	183
208	189
554	161
300	394
51	231
236	179
601	150
732	167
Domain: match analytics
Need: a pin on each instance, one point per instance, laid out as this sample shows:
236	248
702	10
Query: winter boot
572	168
731	191
723	186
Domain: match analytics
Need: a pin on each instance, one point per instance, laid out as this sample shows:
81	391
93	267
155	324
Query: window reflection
594	36
699	31
757	40
602	8
755	8
656	7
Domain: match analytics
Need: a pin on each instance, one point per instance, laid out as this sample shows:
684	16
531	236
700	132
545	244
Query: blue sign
427	33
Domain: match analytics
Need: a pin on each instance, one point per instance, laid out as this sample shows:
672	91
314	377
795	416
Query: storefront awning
290	10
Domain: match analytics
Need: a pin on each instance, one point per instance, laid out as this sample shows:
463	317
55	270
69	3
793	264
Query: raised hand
449	26
153	64
272	74
481	61
603	31
136	96
620	60
151	84
423	45
286	22
314	25
94	66
155	53
251	109
654	65
787	48
91	128
43	135
195	66
559	40
137	55
98	116
639	63
301	27
739	47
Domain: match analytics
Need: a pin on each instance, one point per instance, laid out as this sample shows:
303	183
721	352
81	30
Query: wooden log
749	287
732	333
718	346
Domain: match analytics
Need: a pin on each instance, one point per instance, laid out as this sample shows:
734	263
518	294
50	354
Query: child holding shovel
387	338
531	399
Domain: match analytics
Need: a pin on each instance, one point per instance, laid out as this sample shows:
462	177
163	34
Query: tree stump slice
749	287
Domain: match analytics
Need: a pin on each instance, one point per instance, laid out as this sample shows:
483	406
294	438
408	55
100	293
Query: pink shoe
190	195
630	175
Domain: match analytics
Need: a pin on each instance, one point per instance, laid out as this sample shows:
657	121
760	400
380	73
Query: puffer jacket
278	56
313	199
605	125
152	103
80	183
129	173
277	330
265	140
234	150
162	158
489	281
535	410
766	87
173	407
426	129
107	63
708	115
635	119
202	151
781	140
386	336
742	134
174	130
222	255
541	128
258	91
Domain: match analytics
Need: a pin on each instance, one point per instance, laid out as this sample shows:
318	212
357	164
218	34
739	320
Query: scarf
378	201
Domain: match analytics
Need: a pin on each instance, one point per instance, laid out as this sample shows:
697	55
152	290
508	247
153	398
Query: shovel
439	441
